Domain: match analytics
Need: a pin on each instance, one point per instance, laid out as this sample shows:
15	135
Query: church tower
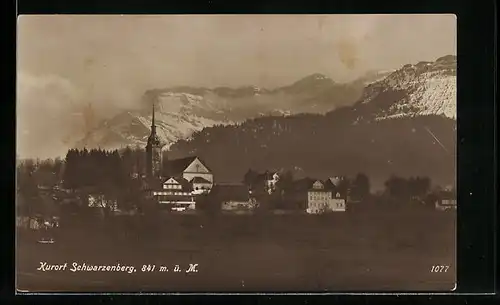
153	152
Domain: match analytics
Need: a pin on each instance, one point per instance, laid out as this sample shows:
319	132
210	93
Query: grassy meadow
362	251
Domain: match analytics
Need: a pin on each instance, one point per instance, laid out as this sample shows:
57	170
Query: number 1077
440	268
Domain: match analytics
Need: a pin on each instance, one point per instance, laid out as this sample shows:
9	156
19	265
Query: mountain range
180	111
403	124
399	122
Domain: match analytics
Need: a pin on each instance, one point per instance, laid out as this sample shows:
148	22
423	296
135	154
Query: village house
338	185
446	200
258	182
271	178
192	169
187	178
337	203
295	198
176	194
100	203
321	199
200	185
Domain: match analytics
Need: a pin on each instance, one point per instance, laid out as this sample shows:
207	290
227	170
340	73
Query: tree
284	188
360	187
431	199
422	186
408	189
130	197
58	168
343	187
70	175
27	190
397	187
127	161
26	183
285	181
103	170
45	173
250	177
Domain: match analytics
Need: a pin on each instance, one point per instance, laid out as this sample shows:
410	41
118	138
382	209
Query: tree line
95	171
321	144
291	194
114	173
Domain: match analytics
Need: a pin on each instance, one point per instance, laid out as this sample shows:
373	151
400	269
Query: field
288	253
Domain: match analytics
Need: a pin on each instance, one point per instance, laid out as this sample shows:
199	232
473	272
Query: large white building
189	168
322	199
187	178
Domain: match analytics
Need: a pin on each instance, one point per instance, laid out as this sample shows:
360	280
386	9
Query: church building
175	183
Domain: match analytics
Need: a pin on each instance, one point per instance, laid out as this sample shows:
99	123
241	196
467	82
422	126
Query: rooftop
186	186
200	180
177	166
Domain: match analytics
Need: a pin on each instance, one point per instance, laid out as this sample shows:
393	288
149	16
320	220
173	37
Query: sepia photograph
236	153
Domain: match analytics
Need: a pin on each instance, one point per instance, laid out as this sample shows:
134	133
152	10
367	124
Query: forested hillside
322	146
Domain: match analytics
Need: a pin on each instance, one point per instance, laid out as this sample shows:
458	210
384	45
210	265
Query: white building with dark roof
185	179
176	194
189	168
322	197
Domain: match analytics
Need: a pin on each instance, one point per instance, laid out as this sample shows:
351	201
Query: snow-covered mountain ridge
180	111
426	88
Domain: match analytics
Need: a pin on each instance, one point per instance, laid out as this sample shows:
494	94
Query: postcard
236	153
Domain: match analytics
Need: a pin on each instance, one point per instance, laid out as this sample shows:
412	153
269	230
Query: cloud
49	114
70	61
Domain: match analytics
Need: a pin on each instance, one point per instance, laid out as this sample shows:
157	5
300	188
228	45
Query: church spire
153	151
153	126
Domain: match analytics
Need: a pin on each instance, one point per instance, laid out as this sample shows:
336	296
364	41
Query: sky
65	62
